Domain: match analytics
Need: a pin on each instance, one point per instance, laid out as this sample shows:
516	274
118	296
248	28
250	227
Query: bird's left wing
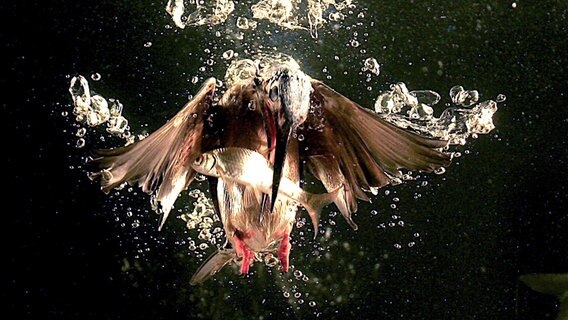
344	144
160	163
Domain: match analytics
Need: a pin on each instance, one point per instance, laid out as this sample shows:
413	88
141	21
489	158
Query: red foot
243	251
284	252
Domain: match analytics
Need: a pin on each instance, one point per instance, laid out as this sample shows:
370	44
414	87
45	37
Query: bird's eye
199	160
273	93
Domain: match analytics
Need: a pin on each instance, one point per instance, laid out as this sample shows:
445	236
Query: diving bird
298	125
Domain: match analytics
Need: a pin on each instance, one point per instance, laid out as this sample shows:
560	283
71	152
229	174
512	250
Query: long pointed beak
283	133
293	96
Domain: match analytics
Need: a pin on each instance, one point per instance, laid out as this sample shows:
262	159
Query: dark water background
496	213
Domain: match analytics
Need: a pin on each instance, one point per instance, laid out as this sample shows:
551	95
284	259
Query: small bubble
397	246
297	273
393	206
297	295
372	65
96	76
312	304
147	44
411	244
194	79
80	143
440	170
81	132
501	98
135	224
286	294
301	137
203	246
242	23
374	212
227	55
64	114
354	43
416	235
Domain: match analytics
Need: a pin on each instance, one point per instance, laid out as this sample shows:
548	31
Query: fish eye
273	93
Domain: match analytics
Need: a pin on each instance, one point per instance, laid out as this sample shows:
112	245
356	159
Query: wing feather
160	163
346	142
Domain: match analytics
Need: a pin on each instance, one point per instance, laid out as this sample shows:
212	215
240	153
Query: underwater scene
287	159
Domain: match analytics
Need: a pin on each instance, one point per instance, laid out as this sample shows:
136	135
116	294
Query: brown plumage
342	144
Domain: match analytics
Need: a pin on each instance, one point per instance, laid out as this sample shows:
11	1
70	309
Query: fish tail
315	204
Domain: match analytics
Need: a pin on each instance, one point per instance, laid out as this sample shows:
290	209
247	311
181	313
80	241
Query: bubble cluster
415	110
94	110
202	218
205	12
290	14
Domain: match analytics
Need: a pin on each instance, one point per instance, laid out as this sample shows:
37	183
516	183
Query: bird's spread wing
344	143
160	163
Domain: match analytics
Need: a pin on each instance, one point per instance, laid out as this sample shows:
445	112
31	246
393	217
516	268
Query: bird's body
297	124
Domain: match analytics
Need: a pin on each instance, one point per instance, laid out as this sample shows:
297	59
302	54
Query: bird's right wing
160	163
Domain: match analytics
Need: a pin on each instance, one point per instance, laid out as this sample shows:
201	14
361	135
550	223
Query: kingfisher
300	125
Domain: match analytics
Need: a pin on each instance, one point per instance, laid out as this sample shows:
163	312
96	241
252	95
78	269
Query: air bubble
80	143
81	132
372	66
228	55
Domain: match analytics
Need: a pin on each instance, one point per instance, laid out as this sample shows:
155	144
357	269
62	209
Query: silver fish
250	168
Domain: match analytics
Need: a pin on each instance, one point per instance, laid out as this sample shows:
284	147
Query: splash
309	15
415	110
